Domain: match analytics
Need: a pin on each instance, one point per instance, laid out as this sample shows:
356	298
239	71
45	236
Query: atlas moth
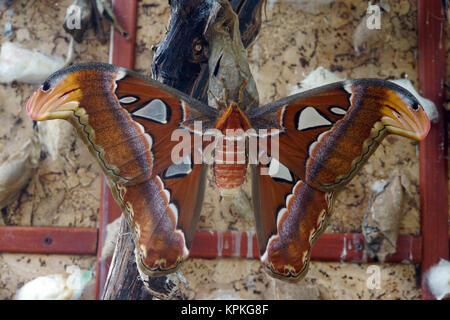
323	136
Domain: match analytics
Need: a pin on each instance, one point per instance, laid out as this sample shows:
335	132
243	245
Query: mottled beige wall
292	42
65	191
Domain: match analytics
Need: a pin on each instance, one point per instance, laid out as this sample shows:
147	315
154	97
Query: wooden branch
181	61
228	59
181	58
122	277
124	282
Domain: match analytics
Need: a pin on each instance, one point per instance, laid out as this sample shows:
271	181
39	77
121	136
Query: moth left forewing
125	119
127	122
165	220
162	111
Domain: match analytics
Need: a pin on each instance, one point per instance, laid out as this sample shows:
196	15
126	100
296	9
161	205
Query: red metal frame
122	54
343	247
433	160
60	240
426	249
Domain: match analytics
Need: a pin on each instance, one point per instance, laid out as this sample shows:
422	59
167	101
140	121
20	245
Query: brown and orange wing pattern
163	216
127	121
326	134
290	216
